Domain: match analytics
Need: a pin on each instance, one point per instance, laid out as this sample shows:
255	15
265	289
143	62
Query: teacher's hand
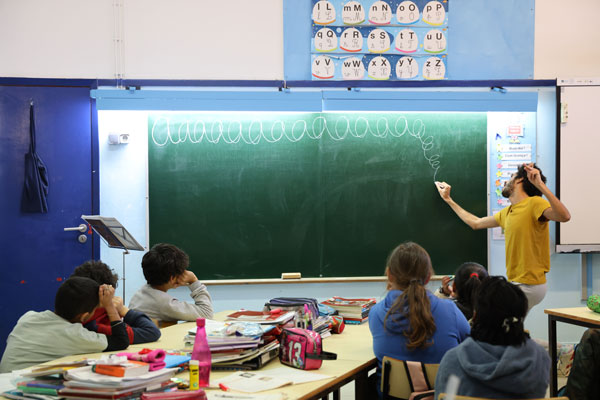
533	174
444	190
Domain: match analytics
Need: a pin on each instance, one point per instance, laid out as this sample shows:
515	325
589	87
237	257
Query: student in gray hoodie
499	360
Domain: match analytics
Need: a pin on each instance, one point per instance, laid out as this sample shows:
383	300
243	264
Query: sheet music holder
112	232
115	235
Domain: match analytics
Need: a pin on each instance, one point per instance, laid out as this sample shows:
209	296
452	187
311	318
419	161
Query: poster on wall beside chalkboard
379	40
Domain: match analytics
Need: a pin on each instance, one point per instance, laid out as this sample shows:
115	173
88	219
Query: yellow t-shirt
527	240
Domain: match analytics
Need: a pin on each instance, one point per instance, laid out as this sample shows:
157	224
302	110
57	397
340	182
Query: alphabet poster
379	40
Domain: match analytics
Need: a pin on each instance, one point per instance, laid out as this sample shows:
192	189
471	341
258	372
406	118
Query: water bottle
201	353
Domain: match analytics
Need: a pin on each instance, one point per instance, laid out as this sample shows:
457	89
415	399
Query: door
36	254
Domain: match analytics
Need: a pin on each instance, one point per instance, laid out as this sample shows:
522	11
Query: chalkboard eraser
291	275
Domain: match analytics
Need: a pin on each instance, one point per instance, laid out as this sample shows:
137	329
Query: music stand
115	235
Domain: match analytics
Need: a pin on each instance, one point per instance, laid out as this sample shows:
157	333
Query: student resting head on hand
165	267
43	336
410	323
499	360
140	328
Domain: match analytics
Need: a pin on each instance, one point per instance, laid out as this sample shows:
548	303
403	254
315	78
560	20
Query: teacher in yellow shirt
525	224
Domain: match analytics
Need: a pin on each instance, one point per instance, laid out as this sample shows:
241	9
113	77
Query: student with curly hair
140	328
165	267
499	360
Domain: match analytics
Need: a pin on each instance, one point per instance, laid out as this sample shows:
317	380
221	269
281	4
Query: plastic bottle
201	352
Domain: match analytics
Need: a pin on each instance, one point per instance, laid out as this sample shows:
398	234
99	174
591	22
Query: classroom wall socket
118	138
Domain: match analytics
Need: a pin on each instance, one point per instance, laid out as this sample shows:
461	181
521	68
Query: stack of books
354	311
84	383
40	389
124	382
322	325
231	351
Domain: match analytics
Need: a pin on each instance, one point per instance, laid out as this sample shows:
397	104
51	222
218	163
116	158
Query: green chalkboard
252	195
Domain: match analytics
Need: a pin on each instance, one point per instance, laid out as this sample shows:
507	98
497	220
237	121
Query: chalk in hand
439	184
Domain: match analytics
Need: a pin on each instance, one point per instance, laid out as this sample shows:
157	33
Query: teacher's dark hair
163	262
500	310
77	295
409	267
528	187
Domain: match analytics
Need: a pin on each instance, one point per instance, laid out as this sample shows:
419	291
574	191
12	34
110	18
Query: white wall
566	39
175	39
234	39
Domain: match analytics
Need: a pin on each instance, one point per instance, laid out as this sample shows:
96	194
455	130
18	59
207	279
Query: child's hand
187	278
118	303
446	289
106	293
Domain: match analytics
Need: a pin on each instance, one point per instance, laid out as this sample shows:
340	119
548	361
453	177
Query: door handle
80	228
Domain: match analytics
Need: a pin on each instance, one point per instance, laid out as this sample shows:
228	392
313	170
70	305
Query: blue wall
486	39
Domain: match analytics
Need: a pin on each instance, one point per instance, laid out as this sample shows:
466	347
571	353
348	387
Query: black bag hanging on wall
35	189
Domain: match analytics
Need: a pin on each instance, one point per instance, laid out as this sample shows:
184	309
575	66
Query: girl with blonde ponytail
410	323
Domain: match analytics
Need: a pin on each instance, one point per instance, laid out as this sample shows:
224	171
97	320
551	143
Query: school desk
581	316
354	348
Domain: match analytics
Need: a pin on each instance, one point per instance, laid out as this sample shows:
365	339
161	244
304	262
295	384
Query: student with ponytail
410	323
467	280
499	360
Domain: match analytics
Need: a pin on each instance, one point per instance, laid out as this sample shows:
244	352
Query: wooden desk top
582	314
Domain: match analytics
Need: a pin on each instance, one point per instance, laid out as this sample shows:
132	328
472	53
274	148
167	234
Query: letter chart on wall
379	40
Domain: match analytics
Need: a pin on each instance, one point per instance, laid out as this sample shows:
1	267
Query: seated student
499	360
43	336
411	323
583	382
467	279
140	328
165	267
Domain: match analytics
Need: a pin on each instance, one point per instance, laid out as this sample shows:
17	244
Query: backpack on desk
293	304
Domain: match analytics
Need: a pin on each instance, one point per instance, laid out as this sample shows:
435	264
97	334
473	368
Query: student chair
443	396
407	379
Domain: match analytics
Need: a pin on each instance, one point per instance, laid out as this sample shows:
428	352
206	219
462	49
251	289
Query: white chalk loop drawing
167	131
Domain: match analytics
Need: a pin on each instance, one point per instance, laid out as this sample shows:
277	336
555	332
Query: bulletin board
379	40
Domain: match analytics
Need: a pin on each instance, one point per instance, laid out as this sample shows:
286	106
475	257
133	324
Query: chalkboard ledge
278	281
